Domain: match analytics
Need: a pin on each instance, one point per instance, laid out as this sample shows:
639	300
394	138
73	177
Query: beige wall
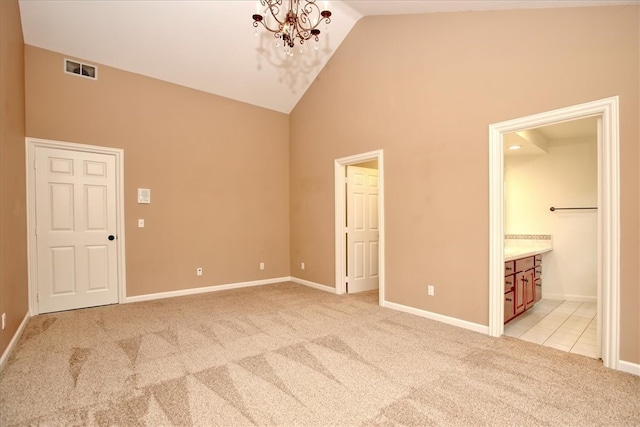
218	171
13	245
425	88
565	176
426	96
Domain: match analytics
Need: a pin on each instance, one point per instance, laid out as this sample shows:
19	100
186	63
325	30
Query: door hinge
38	297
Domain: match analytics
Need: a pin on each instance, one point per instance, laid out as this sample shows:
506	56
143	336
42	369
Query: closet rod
563	209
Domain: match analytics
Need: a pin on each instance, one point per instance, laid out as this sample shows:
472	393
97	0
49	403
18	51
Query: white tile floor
565	325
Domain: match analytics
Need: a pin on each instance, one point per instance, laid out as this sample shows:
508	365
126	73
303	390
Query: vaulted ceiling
211	45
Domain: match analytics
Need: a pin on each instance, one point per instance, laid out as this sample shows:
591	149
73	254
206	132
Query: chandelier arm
273	8
304	35
308	10
276	32
273	5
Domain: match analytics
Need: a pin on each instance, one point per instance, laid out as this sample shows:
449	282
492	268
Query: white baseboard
313	285
438	317
206	289
14	340
561	297
623	366
629	367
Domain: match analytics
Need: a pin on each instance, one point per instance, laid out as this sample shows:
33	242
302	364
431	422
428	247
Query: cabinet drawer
524	264
537	272
509	282
509	311
537	260
509	268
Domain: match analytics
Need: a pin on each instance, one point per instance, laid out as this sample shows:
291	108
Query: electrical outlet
4	320
199	271
431	290
302	265
140	223
262	266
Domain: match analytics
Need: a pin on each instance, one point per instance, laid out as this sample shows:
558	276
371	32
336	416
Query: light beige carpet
293	356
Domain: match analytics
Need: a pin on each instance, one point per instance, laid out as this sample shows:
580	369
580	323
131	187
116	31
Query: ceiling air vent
80	69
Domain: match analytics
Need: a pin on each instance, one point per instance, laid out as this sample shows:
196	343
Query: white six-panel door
362	229
75	229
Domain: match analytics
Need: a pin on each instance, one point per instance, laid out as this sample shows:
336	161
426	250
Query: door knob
111	237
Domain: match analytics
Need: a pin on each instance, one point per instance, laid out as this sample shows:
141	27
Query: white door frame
340	166
32	249
608	216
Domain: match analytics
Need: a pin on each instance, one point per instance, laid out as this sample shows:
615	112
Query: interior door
362	229
75	229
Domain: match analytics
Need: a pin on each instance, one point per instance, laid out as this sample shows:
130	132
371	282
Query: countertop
511	253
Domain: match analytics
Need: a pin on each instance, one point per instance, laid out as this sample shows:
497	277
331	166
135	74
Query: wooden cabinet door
519	297
529	288
537	274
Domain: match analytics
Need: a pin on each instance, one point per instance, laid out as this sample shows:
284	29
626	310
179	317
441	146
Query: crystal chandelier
299	21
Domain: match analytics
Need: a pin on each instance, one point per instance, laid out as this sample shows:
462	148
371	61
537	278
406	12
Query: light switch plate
141	223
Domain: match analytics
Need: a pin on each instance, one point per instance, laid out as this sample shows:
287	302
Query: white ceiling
210	45
538	141
581	128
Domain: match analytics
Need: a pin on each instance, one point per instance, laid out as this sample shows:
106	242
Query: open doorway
359	220
608	216
551	239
